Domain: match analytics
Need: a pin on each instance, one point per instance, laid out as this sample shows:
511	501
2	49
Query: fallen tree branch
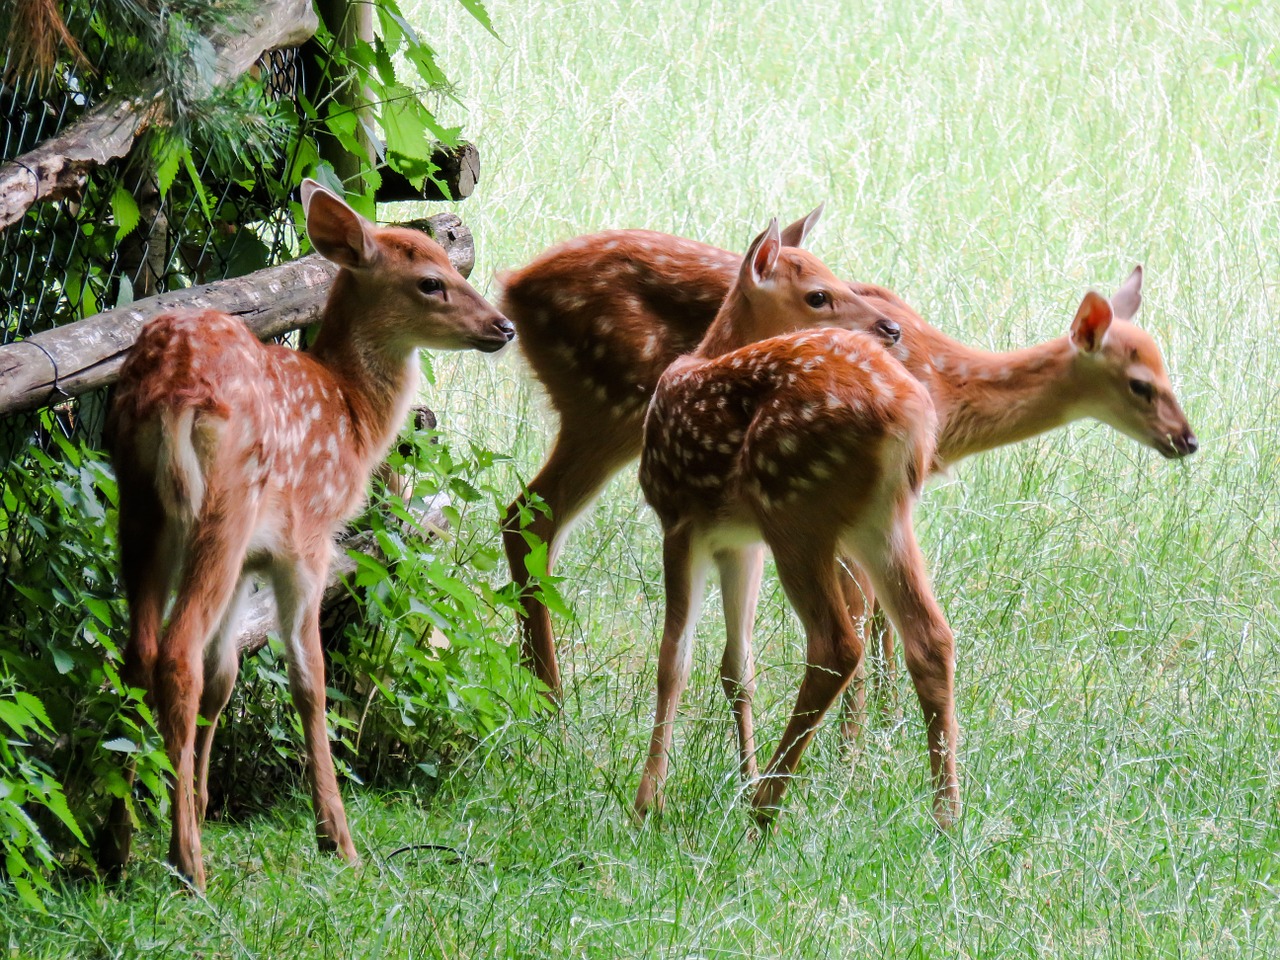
59	167
78	357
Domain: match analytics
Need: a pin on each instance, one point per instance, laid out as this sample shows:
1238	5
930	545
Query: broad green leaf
57	805
18	719
34	707
167	165
124	210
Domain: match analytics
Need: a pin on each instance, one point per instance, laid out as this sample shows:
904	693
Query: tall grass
1115	614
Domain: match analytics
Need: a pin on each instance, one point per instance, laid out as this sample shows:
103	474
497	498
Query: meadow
1118	668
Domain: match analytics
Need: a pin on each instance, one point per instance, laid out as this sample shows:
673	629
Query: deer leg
298	587
685	575
213	565
858	598
146	573
886	679
740	573
902	583
581	463
834	649
221	667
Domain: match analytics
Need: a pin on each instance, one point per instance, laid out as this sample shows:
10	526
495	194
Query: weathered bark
78	357
58	168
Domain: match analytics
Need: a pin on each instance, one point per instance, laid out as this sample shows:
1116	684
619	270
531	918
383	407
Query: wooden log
59	167
78	357
458	173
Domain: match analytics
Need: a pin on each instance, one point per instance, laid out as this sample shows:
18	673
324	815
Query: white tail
237	457
600	317
816	444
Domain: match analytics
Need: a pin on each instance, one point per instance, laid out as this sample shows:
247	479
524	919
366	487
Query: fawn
603	316
666	288
816	443
1104	367
236	457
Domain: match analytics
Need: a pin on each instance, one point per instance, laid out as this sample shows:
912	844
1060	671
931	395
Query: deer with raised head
816	443
1104	368
601	317
236	457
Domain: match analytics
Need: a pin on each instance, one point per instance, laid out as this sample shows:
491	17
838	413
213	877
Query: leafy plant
431	667
71	720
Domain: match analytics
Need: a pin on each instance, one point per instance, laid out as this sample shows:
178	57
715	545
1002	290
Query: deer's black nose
888	330
506	328
1187	444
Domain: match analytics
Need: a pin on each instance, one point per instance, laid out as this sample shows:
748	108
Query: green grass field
1115	614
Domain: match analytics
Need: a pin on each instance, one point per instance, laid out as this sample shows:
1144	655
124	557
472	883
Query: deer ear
795	234
1126	301
1091	323
337	232
761	258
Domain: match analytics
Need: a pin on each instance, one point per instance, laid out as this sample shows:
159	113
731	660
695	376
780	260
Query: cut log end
456	178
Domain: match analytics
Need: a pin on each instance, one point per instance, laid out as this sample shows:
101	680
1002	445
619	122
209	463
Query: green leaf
16	717
120	745
167	165
125	212
57	805
477	10
27	893
34	707
196	183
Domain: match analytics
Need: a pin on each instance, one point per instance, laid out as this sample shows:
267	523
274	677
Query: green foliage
431	668
425	670
397	73
71	722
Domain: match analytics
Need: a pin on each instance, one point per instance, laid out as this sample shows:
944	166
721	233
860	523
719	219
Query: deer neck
378	377
739	323
987	400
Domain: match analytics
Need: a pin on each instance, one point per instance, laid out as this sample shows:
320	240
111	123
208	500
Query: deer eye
817	299
1143	389
431	285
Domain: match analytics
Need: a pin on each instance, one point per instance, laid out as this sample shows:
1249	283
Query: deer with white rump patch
816	443
236	457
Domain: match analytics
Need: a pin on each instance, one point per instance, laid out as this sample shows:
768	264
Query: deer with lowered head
237	458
